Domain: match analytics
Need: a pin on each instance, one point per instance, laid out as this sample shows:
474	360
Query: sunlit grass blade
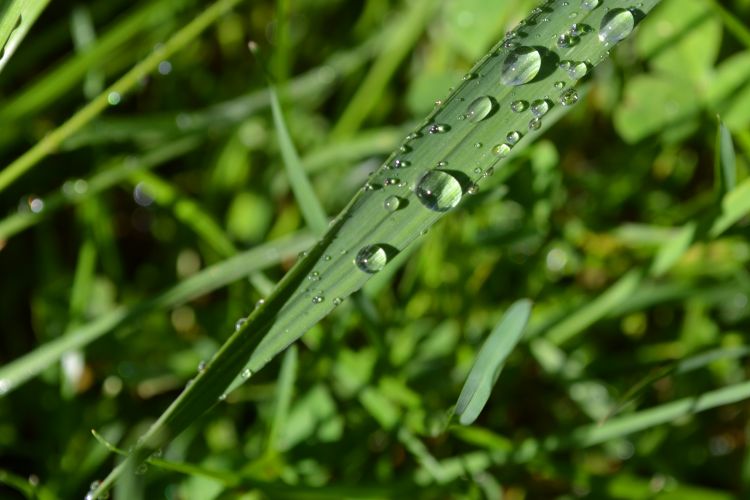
127	82
725	162
734	206
671	251
17	18
309	203
30	365
490	361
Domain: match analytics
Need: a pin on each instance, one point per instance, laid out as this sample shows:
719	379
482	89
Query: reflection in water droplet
371	258
521	66
246	373
539	107
535	124
314	276
501	150
566	40
337	301
318	299
438	190
559	85
589	4
569	97
391	203
513	137
519	106
576	71
239	323
479	109
616	25
437	128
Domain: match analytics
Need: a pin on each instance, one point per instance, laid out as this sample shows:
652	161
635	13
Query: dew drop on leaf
479	109
576	71
318	299
371	258
616	25
589	4
539	107
501	151
513	137
239	323
519	106
569	97
391	203
438	190
521	66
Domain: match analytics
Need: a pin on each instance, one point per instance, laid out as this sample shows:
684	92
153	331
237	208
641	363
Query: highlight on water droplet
392	203
338	301
539	107
437	128
513	137
617	24
371	258
521	66
519	106
480	109
239	323
438	190
317	299
589	4
246	373
501	151
569	97
535	124
559	85
576	71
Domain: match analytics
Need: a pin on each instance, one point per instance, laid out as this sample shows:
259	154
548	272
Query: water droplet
371	258
480	109
559	85
438	102
222	396
338	301
442	163
576	71
579	29
589	4
246	373
566	40
36	205
616	25
478	145
521	66
141	469
260	303
513	137
438	128
239	323
569	97
399	163
314	276
114	98
477	170
438	190
535	124
501	150
539	107
519	106
326	258
470	76
318	299
473	189
391	181
202	366
391	203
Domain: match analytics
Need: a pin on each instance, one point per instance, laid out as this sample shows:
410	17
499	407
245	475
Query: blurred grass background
605	223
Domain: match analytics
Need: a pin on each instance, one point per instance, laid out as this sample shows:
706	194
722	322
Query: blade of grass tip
79	190
20	370
404	33
726	160
366	236
490	361
734	206
673	249
284	392
15	23
126	83
311	208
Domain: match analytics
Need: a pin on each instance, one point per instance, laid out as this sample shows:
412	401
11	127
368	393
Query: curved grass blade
726	161
490	361
16	20
436	167
674	248
128	81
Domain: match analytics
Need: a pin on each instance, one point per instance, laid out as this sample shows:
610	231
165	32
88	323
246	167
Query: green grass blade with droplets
498	107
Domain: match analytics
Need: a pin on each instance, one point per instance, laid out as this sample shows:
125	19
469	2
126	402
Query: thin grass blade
16	20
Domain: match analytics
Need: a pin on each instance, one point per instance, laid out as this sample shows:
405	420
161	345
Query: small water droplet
260	303
579	29
314	276
521	66
569	97
480	109
391	203
566	40
477	170
478	145
222	396
539	107
239	323
513	137
391	181
576	71
535	124
399	163
202	366
501	151
141	469
473	189
559	85
114	98
438	190
617	24
437	128
327	258
318	299
246	373
589	4
519	106
371	258
338	301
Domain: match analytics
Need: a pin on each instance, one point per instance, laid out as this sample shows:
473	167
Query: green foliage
180	194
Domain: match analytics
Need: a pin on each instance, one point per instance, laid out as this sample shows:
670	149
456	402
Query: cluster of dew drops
437	189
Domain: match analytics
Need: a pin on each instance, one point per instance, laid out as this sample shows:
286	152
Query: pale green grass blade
597	309
16	20
284	393
126	83
671	251
79	190
211	278
402	37
734	206
408	195
309	204
490	361
726	160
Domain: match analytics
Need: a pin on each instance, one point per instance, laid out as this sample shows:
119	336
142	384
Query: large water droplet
521	66
371	258
479	109
589	4
569	97
616	25
438	190
391	203
576	71
539	107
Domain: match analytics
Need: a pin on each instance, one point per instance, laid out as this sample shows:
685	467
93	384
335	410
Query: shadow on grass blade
490	361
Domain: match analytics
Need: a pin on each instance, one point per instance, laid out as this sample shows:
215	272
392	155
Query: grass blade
490	361
671	251
734	206
726	161
17	19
